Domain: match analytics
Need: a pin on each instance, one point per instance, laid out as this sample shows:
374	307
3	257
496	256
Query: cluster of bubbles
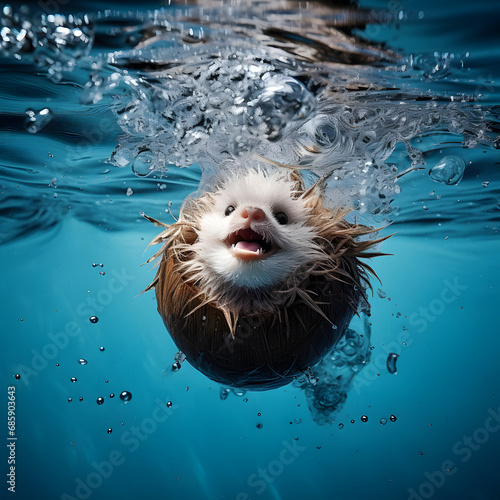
435	65
327	383
220	111
125	396
54	42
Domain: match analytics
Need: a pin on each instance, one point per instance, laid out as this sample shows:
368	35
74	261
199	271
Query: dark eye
229	210
282	218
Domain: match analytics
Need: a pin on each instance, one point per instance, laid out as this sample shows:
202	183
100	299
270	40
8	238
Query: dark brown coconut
264	349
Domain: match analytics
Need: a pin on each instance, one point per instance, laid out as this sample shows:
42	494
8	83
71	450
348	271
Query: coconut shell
264	351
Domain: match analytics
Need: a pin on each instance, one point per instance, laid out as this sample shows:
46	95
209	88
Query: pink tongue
249	246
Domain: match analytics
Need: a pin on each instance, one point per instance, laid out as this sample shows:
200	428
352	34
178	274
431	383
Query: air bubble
110	430
143	163
73	379
93	319
383	421
125	396
449	170
37	120
393	418
391	362
364	418
169	404
82	361
100	400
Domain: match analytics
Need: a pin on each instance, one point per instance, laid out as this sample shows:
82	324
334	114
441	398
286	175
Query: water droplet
112	395
37	120
110	430
364	418
97	264
130	192
393	418
259	425
93	319
102	348
80	399
383	421
449	170
298	420
341	426
125	396
70	400
238	392
82	361
169	404
259	414
73	379
144	163
352	421
100	401
391	362
17	376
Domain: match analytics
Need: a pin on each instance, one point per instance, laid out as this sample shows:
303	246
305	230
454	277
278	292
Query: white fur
272	194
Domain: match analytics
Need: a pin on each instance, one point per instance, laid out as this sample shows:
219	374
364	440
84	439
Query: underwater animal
258	279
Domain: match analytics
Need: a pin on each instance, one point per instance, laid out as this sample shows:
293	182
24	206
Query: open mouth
247	244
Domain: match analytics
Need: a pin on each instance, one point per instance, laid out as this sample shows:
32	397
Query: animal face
256	233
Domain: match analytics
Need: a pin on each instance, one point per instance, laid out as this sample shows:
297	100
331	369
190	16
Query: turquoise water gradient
176	438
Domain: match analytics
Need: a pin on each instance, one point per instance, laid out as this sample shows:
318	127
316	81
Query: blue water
72	243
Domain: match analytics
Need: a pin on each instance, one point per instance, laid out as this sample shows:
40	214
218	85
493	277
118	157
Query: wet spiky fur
329	247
